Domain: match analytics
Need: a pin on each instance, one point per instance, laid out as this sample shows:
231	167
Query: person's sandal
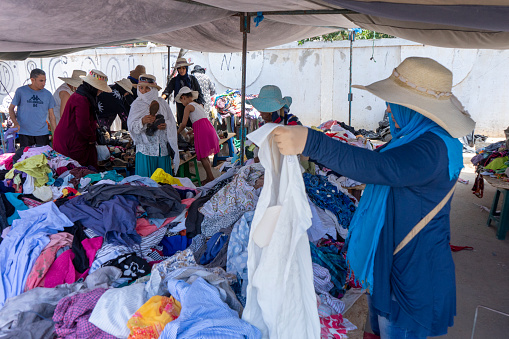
154	108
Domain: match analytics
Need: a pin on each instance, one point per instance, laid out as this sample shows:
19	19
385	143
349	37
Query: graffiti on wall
6	78
227	68
224	69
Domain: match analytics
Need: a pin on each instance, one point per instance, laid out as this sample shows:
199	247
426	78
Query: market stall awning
51	27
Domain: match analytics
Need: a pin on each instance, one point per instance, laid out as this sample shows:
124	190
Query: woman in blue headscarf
398	241
183	79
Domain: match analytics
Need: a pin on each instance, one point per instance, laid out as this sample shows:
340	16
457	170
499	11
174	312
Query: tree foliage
343	35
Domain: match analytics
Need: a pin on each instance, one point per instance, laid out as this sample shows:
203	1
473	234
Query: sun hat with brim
147	80
125	84
74	80
424	85
185	90
270	99
182	62
98	80
139	70
198	69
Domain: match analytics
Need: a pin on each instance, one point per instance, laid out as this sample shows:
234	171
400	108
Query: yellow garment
66	192
213	111
151	318
162	177
36	166
497	163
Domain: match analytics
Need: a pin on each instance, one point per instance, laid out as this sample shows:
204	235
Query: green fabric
497	164
111	175
147	165
36	166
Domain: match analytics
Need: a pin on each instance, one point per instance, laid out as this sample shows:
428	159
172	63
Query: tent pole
244	27
169	73
351	36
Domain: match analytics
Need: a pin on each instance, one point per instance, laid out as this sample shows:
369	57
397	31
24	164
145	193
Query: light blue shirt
203	301
33	109
23	245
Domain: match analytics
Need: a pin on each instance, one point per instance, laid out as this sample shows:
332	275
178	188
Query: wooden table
184	171
230	147
501	218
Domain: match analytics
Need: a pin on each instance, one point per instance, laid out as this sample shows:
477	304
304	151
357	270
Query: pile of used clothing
337	131
90	254
120	152
492	160
378	135
229	103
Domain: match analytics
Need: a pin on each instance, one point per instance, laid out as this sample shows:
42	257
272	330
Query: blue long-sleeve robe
415	288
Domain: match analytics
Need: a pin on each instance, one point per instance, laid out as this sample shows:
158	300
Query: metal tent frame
245	28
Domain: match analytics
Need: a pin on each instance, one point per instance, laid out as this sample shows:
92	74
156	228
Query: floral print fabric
327	196
239	193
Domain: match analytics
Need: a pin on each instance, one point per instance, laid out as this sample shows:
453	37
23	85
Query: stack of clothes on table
97	255
227	105
492	160
120	152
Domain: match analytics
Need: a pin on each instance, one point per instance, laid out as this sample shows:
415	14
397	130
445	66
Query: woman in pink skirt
206	141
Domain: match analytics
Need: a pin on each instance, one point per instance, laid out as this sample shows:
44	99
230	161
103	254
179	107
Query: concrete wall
315	75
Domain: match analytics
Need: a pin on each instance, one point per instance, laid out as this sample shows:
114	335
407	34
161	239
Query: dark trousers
30	140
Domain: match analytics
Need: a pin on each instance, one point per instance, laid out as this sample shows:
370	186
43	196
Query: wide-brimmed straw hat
125	84
424	85
147	80
74	80
270	99
139	70
185	90
182	62
98	80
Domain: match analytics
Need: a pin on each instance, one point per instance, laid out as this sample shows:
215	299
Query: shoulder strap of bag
417	228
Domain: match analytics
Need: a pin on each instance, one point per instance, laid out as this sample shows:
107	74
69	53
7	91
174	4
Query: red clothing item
75	134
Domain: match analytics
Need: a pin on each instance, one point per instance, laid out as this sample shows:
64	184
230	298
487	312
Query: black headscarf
182	81
90	92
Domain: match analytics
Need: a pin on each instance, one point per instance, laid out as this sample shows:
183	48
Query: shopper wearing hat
207	87
398	242
153	130
64	92
75	135
133	77
117	103
183	79
206	141
273	107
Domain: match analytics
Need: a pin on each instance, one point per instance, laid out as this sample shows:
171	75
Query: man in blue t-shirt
35	105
